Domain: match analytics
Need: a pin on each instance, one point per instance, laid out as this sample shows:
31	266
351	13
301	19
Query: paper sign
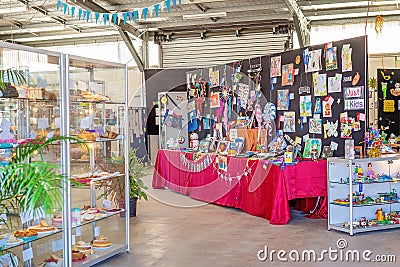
85	123
27	254
355	104
306	137
388	106
296	71
360	116
298	140
73	240
43	123
49	135
106	203
233	134
291	96
93	86
82	86
97	231
78	231
57	245
334	146
57	122
353	92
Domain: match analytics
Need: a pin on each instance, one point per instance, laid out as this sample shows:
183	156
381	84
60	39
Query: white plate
47	232
14	243
103	248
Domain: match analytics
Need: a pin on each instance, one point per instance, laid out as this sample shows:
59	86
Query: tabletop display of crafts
101	242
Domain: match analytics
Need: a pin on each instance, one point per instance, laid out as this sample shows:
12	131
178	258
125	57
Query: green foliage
136	172
15	77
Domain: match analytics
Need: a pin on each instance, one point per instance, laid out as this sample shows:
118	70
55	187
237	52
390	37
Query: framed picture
204	145
223	147
213	145
358	151
326	152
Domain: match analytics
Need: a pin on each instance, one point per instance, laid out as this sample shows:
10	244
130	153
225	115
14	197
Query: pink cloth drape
247	185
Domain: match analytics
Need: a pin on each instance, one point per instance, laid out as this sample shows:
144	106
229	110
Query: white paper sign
57	245
43	123
73	240
85	122
27	254
82	86
97	231
78	231
334	146
49	135
57	122
106	203
233	134
306	137
354	104
93	86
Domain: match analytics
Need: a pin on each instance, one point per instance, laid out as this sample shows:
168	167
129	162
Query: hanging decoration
246	172
197	165
115	18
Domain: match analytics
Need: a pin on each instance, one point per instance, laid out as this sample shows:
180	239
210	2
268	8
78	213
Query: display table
259	190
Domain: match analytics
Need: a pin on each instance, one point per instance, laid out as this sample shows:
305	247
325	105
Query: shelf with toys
363	194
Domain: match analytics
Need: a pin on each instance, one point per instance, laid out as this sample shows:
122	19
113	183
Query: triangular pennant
162	6
130	15
140	11
73	11
97	16
65	8
58	4
135	15
105	18
174	4
114	18
84	13
145	10
180	2
80	14
151	11
125	15
156	9
168	5
88	15
119	18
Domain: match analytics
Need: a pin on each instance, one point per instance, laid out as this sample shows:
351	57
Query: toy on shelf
379	215
376	143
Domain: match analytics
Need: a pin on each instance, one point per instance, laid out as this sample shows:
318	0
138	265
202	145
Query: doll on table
370	171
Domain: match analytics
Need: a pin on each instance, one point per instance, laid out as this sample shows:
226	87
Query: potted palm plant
115	188
9	78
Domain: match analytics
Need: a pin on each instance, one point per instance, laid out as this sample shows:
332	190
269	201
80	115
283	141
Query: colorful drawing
315	126
330	129
283	100
335	84
319	82
222	163
312	144
243	94
289	122
214	100
331	58
347	63
318	106
275	66
314	61
327	109
287	74
213	76
305	106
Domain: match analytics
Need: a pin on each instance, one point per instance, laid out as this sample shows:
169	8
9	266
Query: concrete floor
208	235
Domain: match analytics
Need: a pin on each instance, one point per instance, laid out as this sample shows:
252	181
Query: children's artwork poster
222	163
242	122
315	126
327	106
318	106
214	100
289	122
335	83
331	58
330	129
354	104
287	74
276	66
305	106
310	145
283	99
354	92
243	94
388	106
313	60
304	90
347	63
319	82
206	124
213	75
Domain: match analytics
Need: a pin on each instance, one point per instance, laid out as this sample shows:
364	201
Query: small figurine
379	215
364	222
194	140
356	223
370	171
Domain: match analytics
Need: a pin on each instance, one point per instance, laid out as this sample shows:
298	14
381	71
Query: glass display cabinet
48	94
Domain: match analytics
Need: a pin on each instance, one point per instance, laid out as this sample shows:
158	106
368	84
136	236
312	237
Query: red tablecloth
260	191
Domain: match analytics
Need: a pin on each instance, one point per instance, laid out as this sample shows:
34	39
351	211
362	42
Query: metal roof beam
300	22
92	6
131	49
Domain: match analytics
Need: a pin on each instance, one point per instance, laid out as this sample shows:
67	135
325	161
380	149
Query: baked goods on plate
101	242
84	247
77	255
12	240
43	227
53	261
25	233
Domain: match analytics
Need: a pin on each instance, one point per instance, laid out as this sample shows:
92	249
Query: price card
233	134
106	203
97	231
57	245
93	87
78	231
49	135
57	122
43	123
73	241
27	254
85	123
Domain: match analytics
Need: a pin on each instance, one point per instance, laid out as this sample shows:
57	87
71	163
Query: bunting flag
116	18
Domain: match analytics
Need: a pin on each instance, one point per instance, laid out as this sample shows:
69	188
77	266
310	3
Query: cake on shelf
101	242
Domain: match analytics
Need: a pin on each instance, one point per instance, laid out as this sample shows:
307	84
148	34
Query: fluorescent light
348	5
205	15
354	15
13	10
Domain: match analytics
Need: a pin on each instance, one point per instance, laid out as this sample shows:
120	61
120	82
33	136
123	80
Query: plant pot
132	207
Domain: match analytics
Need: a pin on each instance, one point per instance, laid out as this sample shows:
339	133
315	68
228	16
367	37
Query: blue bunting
58	4
87	15
130	15
105	18
174	4
168	4
97	16
80	14
125	17
73	11
156	9
114	17
135	15
145	10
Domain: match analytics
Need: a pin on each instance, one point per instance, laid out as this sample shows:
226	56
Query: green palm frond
13	76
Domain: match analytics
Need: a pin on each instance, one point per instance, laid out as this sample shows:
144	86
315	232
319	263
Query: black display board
157	81
303	78
389	100
138	132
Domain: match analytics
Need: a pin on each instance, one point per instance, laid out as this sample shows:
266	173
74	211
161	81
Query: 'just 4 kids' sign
354	98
